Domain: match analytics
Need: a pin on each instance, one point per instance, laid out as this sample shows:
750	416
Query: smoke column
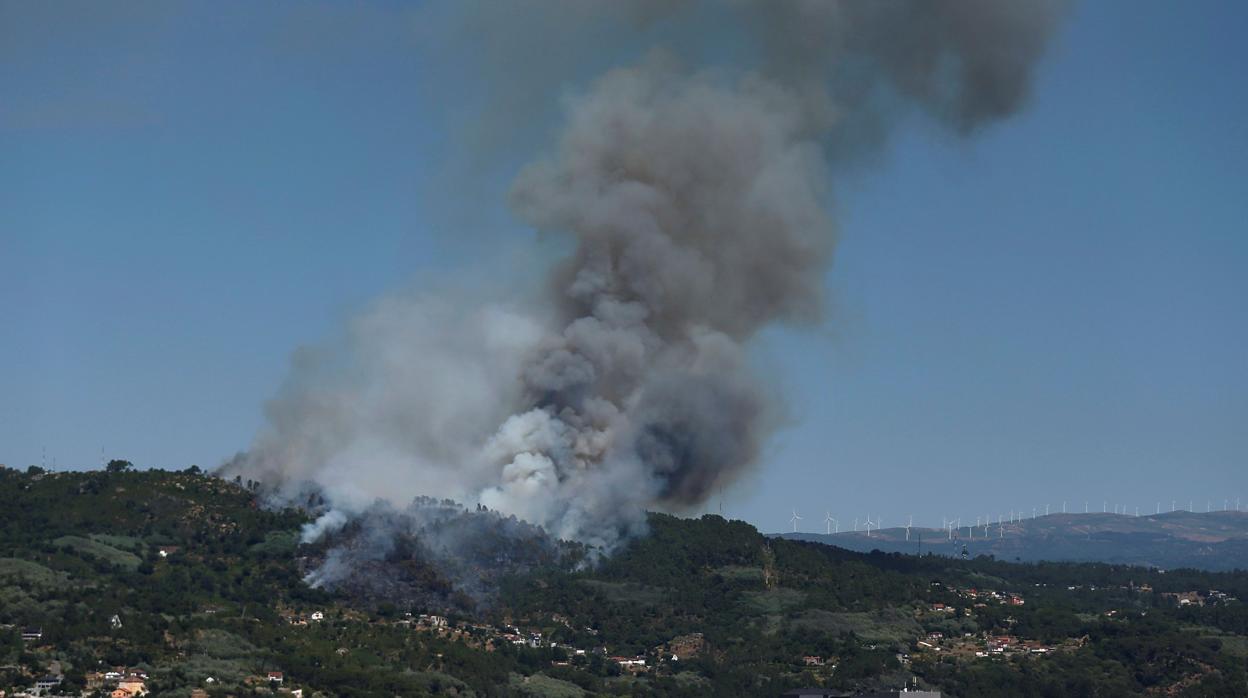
695	194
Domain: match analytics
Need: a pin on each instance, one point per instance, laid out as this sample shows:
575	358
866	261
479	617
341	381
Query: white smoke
697	201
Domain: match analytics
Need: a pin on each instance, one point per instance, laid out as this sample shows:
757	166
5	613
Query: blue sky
1057	310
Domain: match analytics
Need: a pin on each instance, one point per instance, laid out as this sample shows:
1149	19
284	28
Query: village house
276	677
1185	598
433	621
1001	643
630	664
132	685
31	634
94	680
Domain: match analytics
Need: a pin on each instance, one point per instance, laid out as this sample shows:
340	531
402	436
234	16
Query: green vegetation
187	578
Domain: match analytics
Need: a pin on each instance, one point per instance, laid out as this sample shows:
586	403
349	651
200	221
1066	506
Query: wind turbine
1085	506
1063	506
1172	506
908	524
1158	508
831	520
794	520
1046	509
869	524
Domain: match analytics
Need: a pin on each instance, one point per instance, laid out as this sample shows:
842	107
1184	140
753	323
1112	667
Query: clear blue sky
1055	311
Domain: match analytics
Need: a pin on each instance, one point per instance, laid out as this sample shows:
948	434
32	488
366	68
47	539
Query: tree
118	466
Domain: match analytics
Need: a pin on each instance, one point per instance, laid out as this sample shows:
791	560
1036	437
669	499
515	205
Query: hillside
1216	541
188	582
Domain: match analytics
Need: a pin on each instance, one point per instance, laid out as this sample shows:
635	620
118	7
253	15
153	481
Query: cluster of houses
982	646
120	682
1003	644
299	619
989	595
1199	598
978	599
490	637
116	683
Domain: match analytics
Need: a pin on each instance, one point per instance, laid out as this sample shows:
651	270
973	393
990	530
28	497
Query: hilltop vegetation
710	606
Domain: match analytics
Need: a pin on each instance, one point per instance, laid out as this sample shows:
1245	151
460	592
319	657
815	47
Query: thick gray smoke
696	195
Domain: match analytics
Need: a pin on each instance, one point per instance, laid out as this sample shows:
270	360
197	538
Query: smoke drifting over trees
696	194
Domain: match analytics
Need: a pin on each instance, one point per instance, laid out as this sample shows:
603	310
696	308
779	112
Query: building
634	664
30	634
276	677
132	685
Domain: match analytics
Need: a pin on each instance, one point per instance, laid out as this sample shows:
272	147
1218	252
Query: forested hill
183	581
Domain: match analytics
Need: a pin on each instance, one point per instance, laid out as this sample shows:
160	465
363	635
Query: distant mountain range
1216	541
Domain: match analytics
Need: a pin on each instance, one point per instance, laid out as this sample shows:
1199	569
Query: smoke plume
696	195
